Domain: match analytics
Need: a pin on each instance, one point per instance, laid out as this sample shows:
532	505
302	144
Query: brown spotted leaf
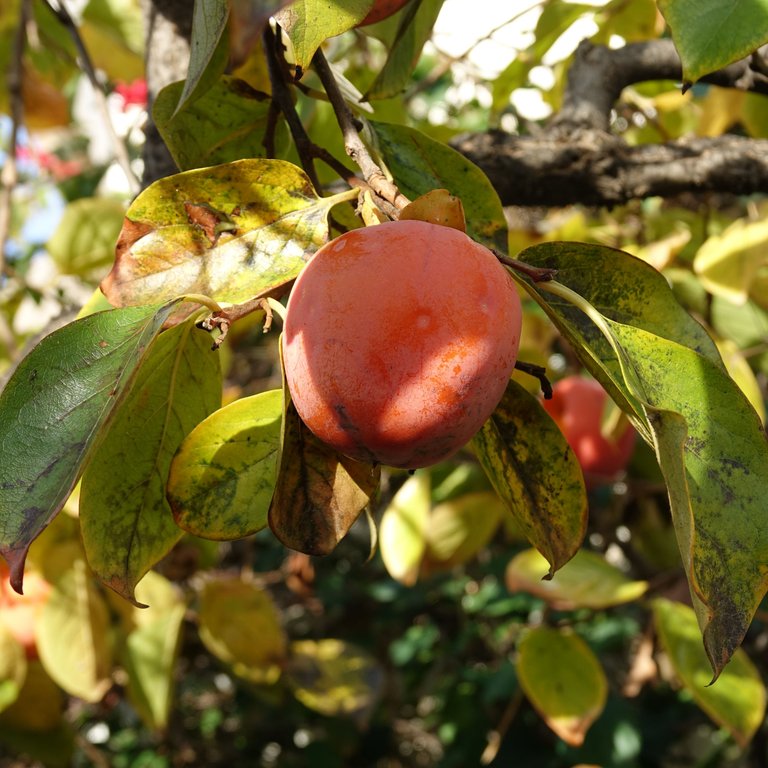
319	493
228	232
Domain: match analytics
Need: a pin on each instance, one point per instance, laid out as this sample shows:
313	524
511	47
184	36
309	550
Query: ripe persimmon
399	341
577	406
382	9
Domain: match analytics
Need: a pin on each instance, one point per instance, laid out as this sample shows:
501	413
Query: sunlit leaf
403	529
436	207
420	164
319	493
585	581
228	232
710	34
737	700
415	28
662	369
240	625
741	372
84	242
459	528
223	477
53	410
151	649
334	678
126	521
73	637
228	122
727	264
535	473
563	680
308	23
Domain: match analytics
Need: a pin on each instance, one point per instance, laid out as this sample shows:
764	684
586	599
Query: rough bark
168	25
576	159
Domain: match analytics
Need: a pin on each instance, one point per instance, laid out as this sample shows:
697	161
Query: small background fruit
382	9
577	406
399	341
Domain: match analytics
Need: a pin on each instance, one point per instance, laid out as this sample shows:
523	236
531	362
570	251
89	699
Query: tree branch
576	159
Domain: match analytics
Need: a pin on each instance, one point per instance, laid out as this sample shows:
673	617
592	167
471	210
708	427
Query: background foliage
442	645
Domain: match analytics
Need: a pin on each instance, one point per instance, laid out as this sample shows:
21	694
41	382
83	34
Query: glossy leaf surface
52	412
710	34
228	232
126	521
421	164
223	477
535	473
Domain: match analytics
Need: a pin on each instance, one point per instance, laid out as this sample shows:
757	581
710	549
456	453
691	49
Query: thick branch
577	160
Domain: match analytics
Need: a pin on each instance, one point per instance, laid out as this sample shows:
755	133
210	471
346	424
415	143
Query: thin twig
121	152
10	174
536	274
538	372
353	144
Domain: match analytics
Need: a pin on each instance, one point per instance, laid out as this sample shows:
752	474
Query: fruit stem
353	144
538	372
536	274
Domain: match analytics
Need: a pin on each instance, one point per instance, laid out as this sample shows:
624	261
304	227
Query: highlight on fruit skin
382	9
577	407
399	341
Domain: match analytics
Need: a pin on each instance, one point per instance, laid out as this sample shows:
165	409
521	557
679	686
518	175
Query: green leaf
563	680
737	700
664	371
223	476
459	528
127	525
335	678
240	625
585	581
420	164
13	667
710	34
228	122
151	649
73	638
84	242
228	232
728	263
403	529
209	20
308	23
53	410
535	473
713	453
413	32
319	493
113	33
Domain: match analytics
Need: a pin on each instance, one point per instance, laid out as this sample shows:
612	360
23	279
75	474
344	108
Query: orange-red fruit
382	9
577	407
399	341
20	612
